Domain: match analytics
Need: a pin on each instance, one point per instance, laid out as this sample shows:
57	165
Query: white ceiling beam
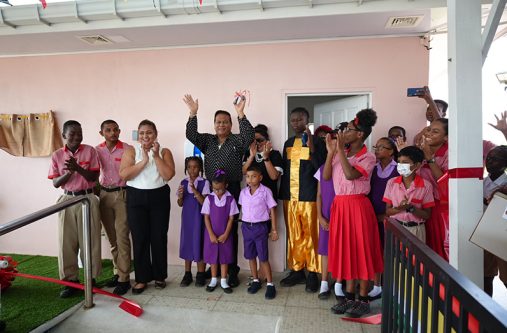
2	21
488	34
76	13
115	11
39	19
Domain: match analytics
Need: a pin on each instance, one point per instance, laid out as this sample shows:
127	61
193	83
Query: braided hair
198	159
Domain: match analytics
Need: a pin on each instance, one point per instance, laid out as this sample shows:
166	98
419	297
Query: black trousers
148	219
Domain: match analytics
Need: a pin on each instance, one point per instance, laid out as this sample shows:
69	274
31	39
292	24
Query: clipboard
491	231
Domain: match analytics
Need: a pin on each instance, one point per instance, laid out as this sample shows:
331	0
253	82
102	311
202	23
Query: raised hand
253	149
425	147
340	141
193	105
156	149
400	143
268	147
179	192
240	105
501	123
330	144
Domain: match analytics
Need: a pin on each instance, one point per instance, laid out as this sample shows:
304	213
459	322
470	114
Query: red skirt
437	229
354	242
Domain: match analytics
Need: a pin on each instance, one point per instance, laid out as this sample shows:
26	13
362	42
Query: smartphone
411	92
304	139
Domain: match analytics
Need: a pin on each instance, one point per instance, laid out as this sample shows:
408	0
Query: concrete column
465	133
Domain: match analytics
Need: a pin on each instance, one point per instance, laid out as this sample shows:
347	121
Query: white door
343	109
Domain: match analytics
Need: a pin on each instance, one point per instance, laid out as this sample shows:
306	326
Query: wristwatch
410	209
431	160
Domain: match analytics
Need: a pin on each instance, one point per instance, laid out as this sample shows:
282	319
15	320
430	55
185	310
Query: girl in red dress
354	243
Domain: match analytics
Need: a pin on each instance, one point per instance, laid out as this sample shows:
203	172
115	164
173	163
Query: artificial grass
29	303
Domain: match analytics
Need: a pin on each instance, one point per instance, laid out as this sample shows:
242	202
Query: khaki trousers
113	213
418	231
70	238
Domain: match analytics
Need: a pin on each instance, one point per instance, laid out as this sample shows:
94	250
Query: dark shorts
255	238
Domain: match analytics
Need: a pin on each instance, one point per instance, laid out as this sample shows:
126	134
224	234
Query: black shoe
312	283
137	291
227	290
359	309
294	277
254	287
233	281
324	295
187	279
113	282
160	284
122	288
210	288
342	306
69	291
270	292
200	279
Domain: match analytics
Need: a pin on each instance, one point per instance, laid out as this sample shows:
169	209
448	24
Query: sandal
138	290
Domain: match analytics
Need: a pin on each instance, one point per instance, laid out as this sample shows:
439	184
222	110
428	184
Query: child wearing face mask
409	197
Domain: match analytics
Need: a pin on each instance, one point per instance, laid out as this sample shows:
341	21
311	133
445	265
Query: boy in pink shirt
409	197
113	207
257	204
75	168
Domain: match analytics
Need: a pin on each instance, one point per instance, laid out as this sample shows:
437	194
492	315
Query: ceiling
146	24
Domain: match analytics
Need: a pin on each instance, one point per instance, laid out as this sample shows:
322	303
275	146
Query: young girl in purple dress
191	194
385	169
219	209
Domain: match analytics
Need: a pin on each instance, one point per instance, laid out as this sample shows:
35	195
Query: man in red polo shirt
409	197
75	168
113	207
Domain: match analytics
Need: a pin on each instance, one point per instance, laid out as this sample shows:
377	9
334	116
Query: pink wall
131	86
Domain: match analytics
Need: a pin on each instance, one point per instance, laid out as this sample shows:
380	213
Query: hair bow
219	173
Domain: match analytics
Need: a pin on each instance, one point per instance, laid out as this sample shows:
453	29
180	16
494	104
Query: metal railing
30	218
423	293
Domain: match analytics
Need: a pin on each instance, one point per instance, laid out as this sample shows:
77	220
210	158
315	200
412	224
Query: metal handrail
404	254
30	218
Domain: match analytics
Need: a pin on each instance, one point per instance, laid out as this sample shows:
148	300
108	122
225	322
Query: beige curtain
32	135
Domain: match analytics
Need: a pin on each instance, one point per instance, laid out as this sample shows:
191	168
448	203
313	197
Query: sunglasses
260	140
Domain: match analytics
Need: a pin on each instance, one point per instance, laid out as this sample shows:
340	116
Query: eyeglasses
260	140
381	147
347	129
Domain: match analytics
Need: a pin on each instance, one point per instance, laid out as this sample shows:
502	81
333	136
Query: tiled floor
192	309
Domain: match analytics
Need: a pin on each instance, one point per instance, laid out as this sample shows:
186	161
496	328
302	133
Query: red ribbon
43	2
466	173
127	305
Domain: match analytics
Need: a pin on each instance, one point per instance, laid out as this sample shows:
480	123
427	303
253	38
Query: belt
410	224
112	189
83	192
250	224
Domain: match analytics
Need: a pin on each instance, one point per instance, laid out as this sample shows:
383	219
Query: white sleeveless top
149	178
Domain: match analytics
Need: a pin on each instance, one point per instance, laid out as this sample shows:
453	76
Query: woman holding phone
147	168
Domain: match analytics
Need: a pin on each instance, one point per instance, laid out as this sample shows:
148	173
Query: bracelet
431	160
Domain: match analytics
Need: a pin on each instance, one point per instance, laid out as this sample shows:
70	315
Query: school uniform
70	223
113	207
327	195
298	190
192	222
378	183
255	210
354	243
148	208
437	226
219	211
419	194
